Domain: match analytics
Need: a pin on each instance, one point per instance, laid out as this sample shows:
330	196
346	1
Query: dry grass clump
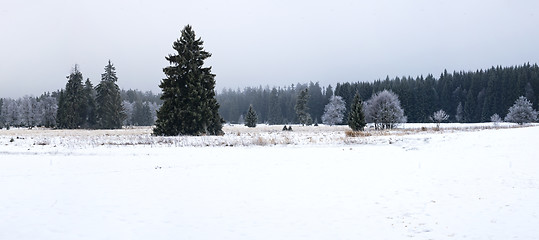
350	133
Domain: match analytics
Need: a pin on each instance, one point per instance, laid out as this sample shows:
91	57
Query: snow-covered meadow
463	182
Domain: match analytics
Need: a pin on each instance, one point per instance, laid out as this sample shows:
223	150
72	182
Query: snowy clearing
409	183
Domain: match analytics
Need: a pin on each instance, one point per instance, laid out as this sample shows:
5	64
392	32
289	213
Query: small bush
350	133
12	140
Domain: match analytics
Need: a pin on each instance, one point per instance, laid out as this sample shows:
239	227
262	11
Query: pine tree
72	106
356	119
189	103
109	111
251	118
146	116
302	110
142	115
89	94
60	114
275	115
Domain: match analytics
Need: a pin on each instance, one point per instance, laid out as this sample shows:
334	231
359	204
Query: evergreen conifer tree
89	94
189	103
302	110
60	114
72	107
356	118
275	115
142	115
109	111
251	118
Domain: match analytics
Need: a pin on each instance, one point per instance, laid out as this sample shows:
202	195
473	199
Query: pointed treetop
110	73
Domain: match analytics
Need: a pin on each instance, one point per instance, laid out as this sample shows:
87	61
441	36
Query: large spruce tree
72	104
189	103
109	109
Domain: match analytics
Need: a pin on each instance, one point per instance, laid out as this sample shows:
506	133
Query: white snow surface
307	184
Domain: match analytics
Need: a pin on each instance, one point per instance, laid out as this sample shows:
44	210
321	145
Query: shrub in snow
334	111
521	112
384	110
289	128
496	119
251	118
439	117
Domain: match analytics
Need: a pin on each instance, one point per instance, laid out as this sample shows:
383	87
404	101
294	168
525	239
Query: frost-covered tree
241	120
10	113
384	110
496	119
251	118
521	112
334	111
302	110
28	111
128	111
459	116
153	110
438	117
189	103
1	116
356	118
48	108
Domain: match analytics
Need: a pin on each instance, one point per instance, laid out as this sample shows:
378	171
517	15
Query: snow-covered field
465	182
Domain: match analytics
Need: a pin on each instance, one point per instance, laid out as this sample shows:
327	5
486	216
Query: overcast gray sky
254	43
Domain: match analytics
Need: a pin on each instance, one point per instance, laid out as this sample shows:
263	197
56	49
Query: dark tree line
81	105
464	96
275	105
479	94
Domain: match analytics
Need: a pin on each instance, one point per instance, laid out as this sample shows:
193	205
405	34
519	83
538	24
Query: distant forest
465	96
